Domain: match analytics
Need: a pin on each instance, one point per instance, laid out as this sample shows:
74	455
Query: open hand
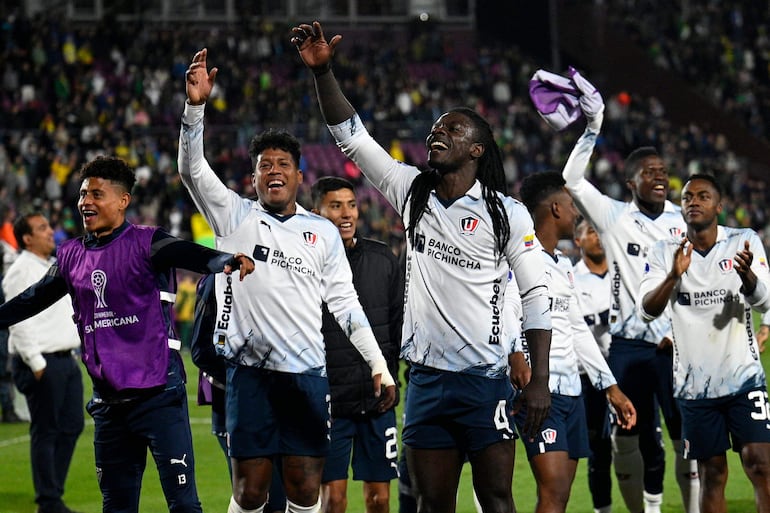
537	399
199	81
313	48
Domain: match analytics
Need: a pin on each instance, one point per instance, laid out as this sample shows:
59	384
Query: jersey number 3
760	402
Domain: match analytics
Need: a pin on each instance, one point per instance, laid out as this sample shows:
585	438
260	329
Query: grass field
82	493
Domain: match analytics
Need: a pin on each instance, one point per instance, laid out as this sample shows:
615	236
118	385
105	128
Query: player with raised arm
277	391
640	353
464	237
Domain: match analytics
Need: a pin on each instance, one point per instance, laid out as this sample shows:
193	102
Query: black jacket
379	281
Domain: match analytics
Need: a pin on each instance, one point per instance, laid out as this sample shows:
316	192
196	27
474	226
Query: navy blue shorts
709	424
645	375
271	413
452	409
373	442
564	430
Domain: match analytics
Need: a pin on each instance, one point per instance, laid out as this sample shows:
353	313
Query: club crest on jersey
310	238
468	225
549	435
529	241
763	262
676	232
726	265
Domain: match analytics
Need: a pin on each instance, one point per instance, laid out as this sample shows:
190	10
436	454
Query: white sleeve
760	298
512	315
341	299
223	208
525	260
587	350
14	283
600	210
364	341
391	177
577	163
655	272
337	289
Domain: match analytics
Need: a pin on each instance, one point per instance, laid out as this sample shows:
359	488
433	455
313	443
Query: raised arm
598	208
199	81
391	177
222	207
317	55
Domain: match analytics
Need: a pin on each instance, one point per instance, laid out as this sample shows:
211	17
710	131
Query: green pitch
82	493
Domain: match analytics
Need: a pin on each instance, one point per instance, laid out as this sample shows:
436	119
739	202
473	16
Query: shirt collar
28	254
92	241
721	234
299	210
667	207
474	192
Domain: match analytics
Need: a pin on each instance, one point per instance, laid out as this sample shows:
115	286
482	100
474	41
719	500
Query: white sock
604	509
652	502
294	508
687	479
235	508
629	470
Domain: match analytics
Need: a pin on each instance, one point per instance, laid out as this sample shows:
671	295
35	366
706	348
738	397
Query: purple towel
556	99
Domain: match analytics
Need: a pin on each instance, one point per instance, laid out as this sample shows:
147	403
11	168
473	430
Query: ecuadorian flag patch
529	241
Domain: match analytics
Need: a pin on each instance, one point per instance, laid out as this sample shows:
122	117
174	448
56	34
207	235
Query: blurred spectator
70	92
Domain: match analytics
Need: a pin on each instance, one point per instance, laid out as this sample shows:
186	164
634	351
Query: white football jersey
571	340
455	284
715	351
627	236
594	293
271	319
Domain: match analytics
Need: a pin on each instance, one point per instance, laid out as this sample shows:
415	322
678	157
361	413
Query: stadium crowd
68	93
721	48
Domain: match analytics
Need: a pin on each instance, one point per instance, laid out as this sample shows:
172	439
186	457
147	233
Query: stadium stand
71	90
